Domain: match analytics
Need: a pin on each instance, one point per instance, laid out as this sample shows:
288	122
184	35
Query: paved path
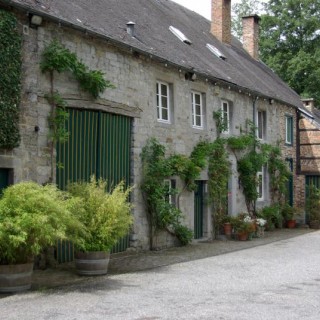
279	280
130	262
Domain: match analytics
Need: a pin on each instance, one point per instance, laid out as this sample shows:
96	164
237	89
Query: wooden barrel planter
92	263
15	277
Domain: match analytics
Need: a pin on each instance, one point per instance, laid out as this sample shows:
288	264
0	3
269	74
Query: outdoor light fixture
35	21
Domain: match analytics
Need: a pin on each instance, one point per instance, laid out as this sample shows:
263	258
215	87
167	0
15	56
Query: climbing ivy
219	173
56	57
156	167
10	76
251	156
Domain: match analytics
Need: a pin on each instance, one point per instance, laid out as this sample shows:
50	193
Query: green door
99	143
311	181
198	210
290	183
4	179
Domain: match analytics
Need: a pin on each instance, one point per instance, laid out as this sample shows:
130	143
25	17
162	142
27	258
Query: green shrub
33	217
106	217
272	214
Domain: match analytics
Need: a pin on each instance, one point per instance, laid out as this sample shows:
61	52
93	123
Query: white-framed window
197	110
225	115
260	185
163	102
170	185
261	124
289	130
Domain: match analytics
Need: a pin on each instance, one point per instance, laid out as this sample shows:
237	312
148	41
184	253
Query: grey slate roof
152	18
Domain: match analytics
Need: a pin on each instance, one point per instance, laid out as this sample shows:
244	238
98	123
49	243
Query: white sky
202	7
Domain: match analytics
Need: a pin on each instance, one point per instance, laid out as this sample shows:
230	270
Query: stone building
171	69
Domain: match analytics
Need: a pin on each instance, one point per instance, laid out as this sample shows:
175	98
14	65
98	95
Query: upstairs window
225	116
289	130
197	110
261	125
163	102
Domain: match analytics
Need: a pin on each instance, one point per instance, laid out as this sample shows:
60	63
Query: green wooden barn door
99	143
311	181
198	210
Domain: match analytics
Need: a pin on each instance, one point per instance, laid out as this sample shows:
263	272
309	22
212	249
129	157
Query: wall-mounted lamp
190	76
271	101
35	21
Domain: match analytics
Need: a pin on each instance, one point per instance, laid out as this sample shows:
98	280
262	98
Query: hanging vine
10	77
57	58
219	173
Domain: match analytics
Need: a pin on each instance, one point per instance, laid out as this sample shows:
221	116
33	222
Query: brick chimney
250	30
221	20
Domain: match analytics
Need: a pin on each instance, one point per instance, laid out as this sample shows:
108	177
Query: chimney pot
221	20
130	28
308	103
250	30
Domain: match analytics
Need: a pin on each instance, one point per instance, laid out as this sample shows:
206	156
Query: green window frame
289	130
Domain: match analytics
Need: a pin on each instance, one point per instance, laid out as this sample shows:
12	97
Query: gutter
132	48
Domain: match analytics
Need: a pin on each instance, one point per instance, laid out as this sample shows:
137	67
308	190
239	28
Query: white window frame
194	110
261	125
289	129
260	178
225	115
169	197
160	107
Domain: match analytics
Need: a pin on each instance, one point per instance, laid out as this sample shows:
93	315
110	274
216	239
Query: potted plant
32	217
272	215
106	217
227	226
288	214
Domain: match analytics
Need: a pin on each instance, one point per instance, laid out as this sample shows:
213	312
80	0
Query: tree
242	9
290	43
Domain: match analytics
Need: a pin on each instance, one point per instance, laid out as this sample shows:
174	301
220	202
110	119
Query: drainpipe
254	112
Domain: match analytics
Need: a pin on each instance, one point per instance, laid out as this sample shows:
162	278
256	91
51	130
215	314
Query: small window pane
164	90
165	114
198	121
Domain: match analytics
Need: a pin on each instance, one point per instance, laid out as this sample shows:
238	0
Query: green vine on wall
10	77
157	167
57	58
218	173
252	156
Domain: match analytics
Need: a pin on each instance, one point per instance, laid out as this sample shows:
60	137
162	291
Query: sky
202	7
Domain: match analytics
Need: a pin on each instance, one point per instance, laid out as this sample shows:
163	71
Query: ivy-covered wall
10	73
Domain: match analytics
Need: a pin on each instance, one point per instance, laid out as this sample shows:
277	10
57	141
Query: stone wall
135	78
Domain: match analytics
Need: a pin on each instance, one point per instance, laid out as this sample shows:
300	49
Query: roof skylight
179	35
215	51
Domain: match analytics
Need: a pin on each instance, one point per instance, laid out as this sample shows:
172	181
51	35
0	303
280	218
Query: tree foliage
290	43
10	75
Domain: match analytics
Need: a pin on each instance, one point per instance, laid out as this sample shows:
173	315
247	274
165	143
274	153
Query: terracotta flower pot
242	236
291	224
227	227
